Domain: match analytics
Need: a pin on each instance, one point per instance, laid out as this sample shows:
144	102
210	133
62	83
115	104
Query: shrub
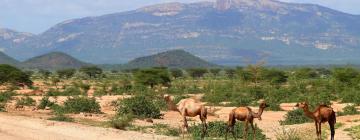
13	75
163	129
153	77
217	129
351	95
6	96
81	104
45	102
349	110
288	134
27	101
2	107
121	122
295	117
61	118
70	91
139	106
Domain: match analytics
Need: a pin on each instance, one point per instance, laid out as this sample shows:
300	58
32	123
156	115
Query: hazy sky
36	16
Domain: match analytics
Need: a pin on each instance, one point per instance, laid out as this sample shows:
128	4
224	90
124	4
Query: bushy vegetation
295	117
217	129
121	121
13	75
81	104
25	101
349	110
6	96
354	131
45	102
139	106
153	77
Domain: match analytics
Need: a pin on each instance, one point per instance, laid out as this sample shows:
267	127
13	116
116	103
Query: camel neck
259	113
171	105
308	113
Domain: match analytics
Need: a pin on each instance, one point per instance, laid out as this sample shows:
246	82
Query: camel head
302	105
263	104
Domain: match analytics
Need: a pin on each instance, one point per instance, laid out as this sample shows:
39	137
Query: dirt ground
31	124
26	128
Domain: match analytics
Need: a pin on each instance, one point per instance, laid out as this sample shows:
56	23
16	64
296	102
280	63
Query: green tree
305	73
152	77
215	71
44	73
91	71
345	75
274	76
197	72
176	73
66	73
230	72
14	76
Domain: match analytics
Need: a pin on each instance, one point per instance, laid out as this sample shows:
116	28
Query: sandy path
20	128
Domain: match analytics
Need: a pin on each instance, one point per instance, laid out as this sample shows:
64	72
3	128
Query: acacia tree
152	77
66	73
197	72
14	76
176	73
215	71
91	71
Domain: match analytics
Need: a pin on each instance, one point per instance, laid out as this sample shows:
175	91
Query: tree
91	71
305	73
176	73
244	74
274	76
230	72
197	72
152	77
345	75
44	73
215	71
12	75
66	73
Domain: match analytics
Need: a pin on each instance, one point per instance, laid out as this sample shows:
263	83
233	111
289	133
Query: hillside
52	61
5	59
171	59
223	32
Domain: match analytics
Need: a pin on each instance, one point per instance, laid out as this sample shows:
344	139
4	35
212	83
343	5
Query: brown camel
322	114
188	108
247	115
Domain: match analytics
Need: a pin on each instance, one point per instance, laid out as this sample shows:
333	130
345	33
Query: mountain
227	32
10	38
171	59
53	61
5	59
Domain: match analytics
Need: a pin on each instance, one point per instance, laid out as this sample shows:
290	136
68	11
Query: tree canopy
13	75
152	77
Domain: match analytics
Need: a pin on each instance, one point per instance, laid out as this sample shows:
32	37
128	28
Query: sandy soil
24	128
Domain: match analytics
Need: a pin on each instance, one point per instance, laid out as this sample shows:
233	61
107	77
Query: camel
188	108
247	115
322	114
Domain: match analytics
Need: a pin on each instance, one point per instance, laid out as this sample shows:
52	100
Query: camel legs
317	130
246	129
253	128
185	126
203	120
230	128
332	129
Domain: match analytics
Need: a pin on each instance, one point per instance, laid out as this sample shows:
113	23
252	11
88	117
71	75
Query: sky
36	16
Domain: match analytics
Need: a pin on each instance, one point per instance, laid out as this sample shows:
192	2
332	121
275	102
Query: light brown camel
247	115
322	114
188	108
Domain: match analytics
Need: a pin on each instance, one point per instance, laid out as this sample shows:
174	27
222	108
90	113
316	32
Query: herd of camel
191	108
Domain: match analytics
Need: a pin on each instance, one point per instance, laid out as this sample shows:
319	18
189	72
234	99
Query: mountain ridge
244	31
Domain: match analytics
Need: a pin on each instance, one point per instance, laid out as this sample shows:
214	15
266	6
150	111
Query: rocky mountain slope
229	32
